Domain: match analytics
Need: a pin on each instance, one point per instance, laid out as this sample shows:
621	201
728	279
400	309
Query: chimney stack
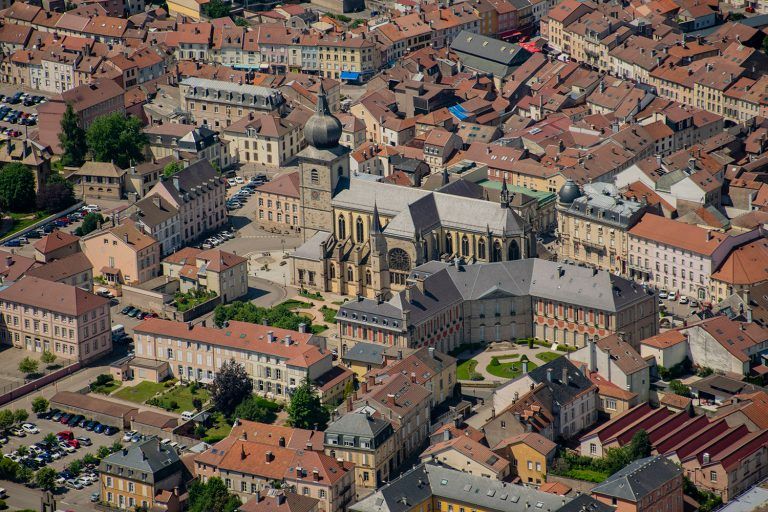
268	457
549	374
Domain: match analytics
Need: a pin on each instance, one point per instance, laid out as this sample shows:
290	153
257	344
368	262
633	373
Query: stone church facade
363	237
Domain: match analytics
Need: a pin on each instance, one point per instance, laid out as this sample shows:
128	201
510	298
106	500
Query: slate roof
639	478
488	54
371	353
541	278
413	209
562	392
358	423
147	457
427	480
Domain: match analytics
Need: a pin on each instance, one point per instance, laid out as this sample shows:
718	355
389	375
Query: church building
363	237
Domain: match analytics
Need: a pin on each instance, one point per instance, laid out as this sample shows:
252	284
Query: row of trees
114	138
232	395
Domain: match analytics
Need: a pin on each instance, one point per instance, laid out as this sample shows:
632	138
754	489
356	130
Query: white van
187	415
118	332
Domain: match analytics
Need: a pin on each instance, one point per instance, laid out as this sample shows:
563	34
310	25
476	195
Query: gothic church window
342	228
359	230
481	249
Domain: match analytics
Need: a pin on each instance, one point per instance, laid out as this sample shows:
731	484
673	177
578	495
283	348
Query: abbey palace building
380	232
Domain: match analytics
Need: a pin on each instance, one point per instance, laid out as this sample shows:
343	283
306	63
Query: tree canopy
17	188
216	9
305	409
90	223
72	139
279	316
255	408
118	138
230	387
212	496
46	479
172	168
39	404
28	365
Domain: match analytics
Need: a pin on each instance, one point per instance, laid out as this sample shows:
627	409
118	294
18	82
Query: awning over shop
350	75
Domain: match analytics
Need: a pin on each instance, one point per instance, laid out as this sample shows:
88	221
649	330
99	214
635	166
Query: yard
548	356
219	430
508	370
181	398
106	389
141	392
589	475
15	222
329	314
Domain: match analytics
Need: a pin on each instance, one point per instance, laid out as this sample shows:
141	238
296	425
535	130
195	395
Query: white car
663	294
683	299
231	182
92	208
66	447
239	180
128	435
30	428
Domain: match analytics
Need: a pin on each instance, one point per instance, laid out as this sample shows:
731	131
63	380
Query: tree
72	139
39	404
6	419
23	450
279	316
55	196
216	9
212	496
103	452
172	168
90	223
678	388
46	479
197	404
241	22
8	469
253	409
17	188
20	415
48	357
75	467
117	138
640	446
103	379
230	386
306	410
51	438
28	365
24	474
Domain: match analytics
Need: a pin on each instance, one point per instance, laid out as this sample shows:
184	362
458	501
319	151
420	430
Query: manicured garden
507	370
193	298
141	392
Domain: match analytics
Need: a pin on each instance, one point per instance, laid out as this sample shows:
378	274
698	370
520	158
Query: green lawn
141	392
508	370
465	369
107	389
588	475
548	356
219	430
329	314
21	221
183	397
318	328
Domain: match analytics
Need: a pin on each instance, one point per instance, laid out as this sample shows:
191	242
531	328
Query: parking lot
30	110
69	223
64	457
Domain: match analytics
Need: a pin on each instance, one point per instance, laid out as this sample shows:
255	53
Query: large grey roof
312	249
412	209
488	54
359	424
603	202
220	85
562	392
585	503
541	278
148	456
429	480
639	478
366	352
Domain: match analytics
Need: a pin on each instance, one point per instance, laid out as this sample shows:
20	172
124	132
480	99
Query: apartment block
40	315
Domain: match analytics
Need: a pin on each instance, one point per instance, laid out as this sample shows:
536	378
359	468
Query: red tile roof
55	240
677	234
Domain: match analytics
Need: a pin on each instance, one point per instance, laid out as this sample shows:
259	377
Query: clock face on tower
315	195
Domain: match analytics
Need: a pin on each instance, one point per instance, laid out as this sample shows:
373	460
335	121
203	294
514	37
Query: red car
74	443
66	435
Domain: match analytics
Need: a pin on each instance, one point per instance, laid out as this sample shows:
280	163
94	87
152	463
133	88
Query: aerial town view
384	255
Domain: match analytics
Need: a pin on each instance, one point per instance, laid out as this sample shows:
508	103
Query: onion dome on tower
569	192
323	129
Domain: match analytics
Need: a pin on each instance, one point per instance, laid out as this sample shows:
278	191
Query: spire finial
376	224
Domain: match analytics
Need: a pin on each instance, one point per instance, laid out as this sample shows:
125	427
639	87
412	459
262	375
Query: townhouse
531	455
661	488
214	270
279	202
217	104
39	315
136	475
123	254
277	360
469	456
190	144
255	456
198	192
264	138
159	219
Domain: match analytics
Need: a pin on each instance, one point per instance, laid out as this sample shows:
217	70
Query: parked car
16	431
57	416
126	310
74	443
65	435
30	428
683	299
85	441
693	303
128	435
66	447
663	294
110	430
95	496
134	312
99	428
74	484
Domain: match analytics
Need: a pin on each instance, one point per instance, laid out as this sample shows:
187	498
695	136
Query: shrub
495	361
173	404
3	505
566	348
